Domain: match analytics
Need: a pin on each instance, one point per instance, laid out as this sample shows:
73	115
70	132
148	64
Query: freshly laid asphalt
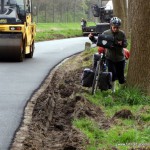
20	80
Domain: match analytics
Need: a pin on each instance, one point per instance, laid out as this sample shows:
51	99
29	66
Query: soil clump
57	107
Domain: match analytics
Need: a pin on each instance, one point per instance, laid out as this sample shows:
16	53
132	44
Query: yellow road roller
17	29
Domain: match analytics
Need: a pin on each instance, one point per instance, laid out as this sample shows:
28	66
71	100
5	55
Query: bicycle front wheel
96	78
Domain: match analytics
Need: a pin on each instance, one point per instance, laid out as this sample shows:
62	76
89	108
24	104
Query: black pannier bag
106	41
105	80
87	77
96	57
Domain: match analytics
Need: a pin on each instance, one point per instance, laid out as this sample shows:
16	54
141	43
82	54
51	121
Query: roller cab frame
102	17
17	30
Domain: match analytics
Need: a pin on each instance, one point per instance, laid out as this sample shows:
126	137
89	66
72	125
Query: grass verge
50	31
124	133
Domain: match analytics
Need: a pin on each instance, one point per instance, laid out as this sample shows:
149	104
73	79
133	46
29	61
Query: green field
50	31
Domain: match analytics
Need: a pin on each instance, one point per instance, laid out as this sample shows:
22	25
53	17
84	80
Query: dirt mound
142	148
51	127
124	113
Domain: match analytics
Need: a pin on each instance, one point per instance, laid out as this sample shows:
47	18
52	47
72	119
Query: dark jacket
116	53
83	23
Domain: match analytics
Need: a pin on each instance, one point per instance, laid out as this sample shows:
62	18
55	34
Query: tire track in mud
47	123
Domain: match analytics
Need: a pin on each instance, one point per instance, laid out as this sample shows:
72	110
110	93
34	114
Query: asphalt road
20	80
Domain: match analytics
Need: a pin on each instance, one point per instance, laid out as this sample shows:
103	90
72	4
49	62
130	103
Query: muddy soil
51	126
57	106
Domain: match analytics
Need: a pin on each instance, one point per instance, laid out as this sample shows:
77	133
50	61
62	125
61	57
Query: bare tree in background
63	10
120	10
139	64
74	16
130	15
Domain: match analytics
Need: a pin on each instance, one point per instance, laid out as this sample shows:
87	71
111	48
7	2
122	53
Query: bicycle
100	67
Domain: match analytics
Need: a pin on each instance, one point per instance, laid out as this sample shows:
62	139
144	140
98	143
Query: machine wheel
30	55
21	54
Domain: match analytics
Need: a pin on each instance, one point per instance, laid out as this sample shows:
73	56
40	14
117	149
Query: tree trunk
139	64
45	13
74	16
120	11
37	15
130	15
53	11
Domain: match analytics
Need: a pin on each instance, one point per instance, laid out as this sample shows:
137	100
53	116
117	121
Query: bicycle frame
99	68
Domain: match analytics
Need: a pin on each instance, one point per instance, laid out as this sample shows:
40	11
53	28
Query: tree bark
130	15
120	11
53	11
139	64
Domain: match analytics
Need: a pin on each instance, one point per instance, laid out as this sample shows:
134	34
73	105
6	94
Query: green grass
123	96
49	31
87	57
117	136
145	117
123	133
91	130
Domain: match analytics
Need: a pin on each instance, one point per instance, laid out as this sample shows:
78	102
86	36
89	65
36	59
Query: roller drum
10	46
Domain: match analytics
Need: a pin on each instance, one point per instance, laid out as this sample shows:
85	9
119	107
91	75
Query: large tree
130	15
139	64
120	10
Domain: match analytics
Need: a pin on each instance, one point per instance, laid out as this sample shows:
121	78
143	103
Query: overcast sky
109	5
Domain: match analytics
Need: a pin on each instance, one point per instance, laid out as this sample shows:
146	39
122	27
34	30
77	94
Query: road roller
17	29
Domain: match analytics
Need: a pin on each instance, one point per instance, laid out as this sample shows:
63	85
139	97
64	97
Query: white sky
109	5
